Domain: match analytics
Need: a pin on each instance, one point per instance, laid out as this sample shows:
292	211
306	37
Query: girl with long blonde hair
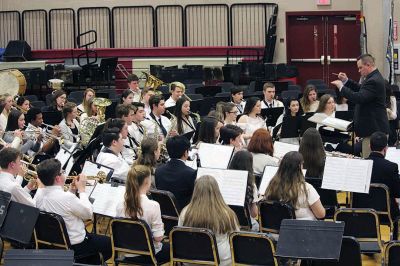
207	209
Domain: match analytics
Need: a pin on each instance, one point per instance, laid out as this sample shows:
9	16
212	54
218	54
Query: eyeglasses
232	112
62	172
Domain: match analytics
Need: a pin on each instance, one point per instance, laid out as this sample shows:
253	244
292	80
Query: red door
320	44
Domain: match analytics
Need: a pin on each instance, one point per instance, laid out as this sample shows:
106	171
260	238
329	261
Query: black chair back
252	249
271	214
328	197
392	253
168	206
193	245
243	215
51	232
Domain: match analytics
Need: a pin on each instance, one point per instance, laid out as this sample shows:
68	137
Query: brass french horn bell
101	104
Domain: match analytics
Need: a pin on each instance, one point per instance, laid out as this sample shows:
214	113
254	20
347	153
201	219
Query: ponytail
136	176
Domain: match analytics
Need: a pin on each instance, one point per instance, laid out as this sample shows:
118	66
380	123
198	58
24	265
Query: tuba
152	82
101	104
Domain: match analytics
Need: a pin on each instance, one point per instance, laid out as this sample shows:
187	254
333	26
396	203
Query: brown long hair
288	183
304	101
207	208
313	152
136	177
146	155
323	100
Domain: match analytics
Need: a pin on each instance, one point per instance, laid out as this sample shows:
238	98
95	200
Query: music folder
336	123
106	198
214	155
189	135
5	199
64	156
313	240
272	115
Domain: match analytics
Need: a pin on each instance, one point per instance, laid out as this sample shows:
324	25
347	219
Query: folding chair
252	249
328	197
392	254
271	214
363	224
133	237
169	209
193	245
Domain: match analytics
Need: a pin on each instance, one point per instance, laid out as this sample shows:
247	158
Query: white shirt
9	184
154	125
303	210
147	109
128	152
275	104
136	95
240	106
252	124
151	215
136	132
3	121
260	160
170	102
120	166
73	210
188	127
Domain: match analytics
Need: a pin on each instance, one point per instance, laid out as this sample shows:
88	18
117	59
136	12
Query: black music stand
42	257
291	126
52	117
305	124
310	240
189	135
208	91
345	115
272	115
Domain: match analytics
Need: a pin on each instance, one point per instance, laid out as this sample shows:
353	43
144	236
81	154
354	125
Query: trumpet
70	180
29	174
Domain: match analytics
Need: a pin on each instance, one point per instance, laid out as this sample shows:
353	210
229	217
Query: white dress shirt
273	104
147	109
3	121
154	125
170	102
73	210
136	95
9	184
120	166
240	107
151	215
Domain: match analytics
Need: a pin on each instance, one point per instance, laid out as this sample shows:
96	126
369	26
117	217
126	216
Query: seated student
384	171
149	154
289	131
126	97
156	123
133	85
237	99
11	166
209	130
184	121
137	205
74	210
177	89
146	94
229	112
207	209
251	118
88	94
231	135
288	186
69	125
262	149
243	160
175	176
23	104
312	150
309	102
125	113
269	100
110	155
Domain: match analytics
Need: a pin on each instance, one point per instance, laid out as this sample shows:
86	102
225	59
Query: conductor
369	96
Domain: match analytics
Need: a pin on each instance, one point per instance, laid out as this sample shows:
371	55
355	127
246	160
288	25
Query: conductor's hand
343	77
80	183
338	83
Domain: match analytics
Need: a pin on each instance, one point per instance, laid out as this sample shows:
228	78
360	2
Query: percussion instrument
13	82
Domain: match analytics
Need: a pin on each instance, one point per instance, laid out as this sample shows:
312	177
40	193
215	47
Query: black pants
87	251
162	256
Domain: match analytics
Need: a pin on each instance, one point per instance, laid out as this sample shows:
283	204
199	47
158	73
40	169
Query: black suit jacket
176	177
386	172
370	110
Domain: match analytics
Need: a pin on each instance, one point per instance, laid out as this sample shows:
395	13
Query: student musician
183	121
133	85
289	186
237	99
289	129
136	205
207	209
209	130
8	102
251	116
73	209
58	101
111	156
146	94
127	97
126	113
89	120
269	100
313	152
16	136
88	94
156	123
23	104
150	151
229	111
231	135
262	149
177	89
11	166
137	131
309	102
70	126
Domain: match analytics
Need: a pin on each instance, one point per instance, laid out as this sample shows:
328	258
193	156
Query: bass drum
12	82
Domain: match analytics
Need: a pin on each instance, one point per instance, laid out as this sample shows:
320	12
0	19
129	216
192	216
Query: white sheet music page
337	123
106	199
346	174
393	155
91	169
269	172
214	155
191	164
281	148
63	155
232	184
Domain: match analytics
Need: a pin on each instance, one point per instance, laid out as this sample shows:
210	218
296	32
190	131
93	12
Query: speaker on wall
16	51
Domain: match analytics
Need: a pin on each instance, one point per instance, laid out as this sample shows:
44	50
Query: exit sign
324	2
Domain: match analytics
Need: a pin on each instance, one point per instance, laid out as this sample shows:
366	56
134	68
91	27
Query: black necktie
270	105
164	131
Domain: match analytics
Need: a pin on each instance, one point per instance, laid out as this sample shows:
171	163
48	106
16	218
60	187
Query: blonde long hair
136	177
288	183
207	208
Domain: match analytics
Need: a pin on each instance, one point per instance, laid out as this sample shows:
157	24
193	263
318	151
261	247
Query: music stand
189	135
28	257
208	91
345	115
291	127
52	117
312	240
305	124
107	67
272	115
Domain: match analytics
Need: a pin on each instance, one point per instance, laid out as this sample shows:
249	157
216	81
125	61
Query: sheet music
69	166
90	184
214	155
106	199
269	172
191	164
281	148
393	155
346	174
63	156
91	169
337	123
232	184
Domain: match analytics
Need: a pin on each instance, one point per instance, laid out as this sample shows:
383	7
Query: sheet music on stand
215	156
232	184
393	155
281	148
268	174
92	169
106	198
336	123
65	158
347	174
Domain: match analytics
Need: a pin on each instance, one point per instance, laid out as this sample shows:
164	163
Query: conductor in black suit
175	176
384	171
369	96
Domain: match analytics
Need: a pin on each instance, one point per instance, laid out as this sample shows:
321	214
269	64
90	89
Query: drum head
12	82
